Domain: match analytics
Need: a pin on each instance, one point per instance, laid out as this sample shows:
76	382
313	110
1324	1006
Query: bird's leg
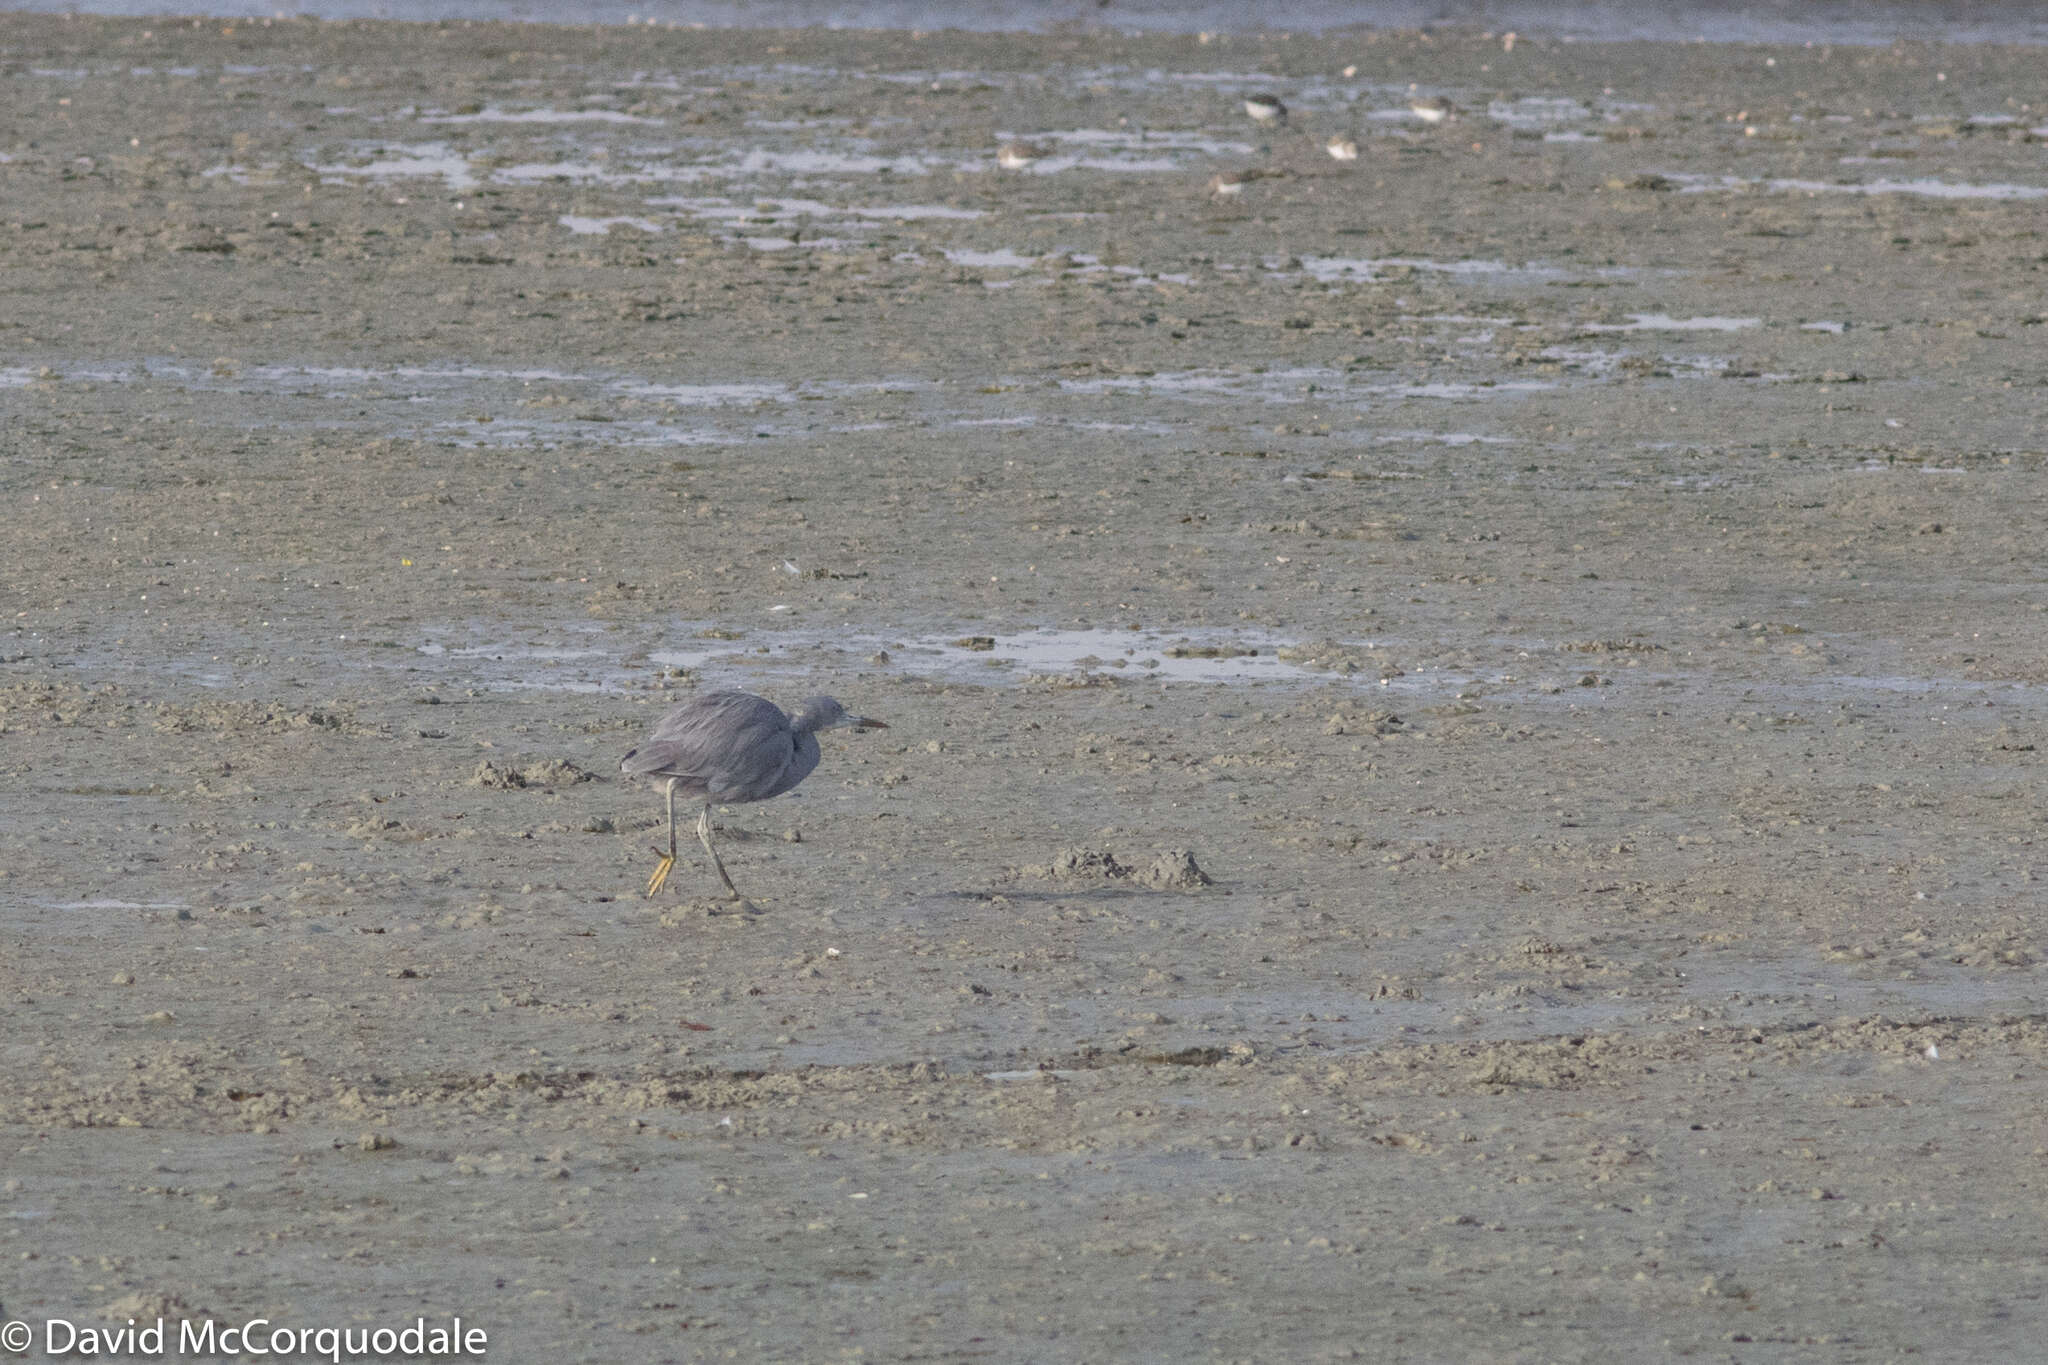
704	836
668	859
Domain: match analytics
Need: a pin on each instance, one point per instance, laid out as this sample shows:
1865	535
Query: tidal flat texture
1467	723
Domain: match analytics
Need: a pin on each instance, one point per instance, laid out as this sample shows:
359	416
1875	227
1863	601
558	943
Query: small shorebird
1015	156
1265	108
1230	184
724	748
1433	109
1342	148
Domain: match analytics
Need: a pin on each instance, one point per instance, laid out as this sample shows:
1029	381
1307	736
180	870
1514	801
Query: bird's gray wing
799	767
730	746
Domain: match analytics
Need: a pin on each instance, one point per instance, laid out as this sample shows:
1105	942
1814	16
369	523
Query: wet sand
1570	578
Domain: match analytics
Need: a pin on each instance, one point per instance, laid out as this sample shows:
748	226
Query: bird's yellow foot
661	871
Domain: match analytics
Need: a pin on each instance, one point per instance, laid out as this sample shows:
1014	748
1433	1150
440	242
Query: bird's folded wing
727	742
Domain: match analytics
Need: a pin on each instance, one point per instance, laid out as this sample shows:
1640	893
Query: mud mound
1175	870
546	772
1172	870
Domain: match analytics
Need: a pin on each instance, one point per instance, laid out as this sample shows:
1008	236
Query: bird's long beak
866	723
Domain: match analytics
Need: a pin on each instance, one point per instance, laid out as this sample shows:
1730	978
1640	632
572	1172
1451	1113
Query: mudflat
1464	777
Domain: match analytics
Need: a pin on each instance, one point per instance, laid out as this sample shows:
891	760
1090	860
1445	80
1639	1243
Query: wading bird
1265	108
1433	109
724	748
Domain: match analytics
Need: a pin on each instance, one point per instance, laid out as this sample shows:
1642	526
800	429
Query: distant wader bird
725	748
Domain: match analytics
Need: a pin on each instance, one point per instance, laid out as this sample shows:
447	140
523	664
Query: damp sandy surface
1568	578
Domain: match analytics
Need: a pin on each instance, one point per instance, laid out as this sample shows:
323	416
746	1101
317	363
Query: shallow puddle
598	227
1664	322
105	903
724	655
1720	992
1927	187
543	408
539	116
1198	657
1367	270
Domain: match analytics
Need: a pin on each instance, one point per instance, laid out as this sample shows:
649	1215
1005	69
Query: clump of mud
1356	720
146	1304
1082	864
1334	656
546	772
1173	870
1065	682
251	717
